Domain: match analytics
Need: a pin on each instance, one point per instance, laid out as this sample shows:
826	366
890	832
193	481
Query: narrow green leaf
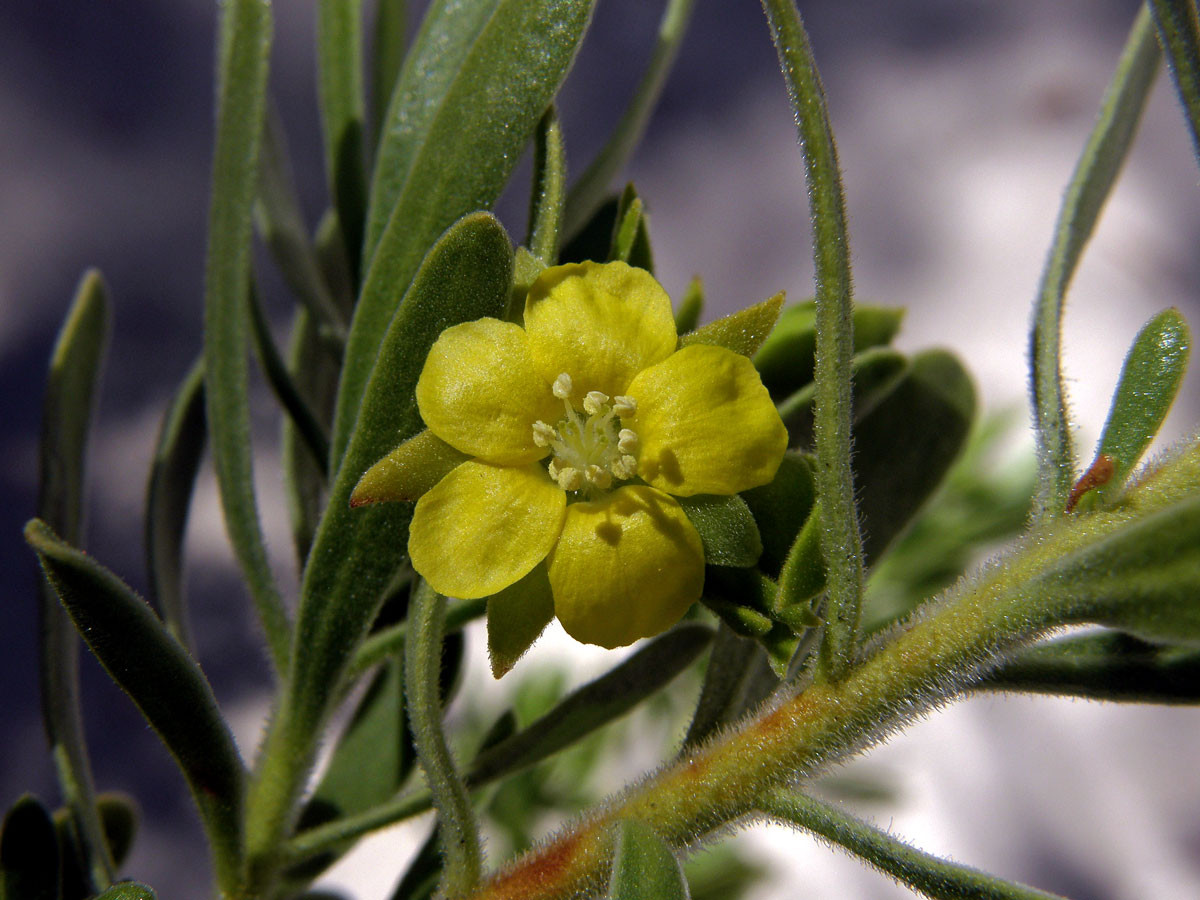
279	221
644	868
128	890
723	688
781	508
1179	34
177	454
741	620
743	331
1094	175
802	576
162	680
726	527
842	541
119	817
923	872
29	857
460	840
589	192
594	704
593	241
71	387
388	45
1106	666
687	316
549	189
905	445
874	374
516	617
356	552
788	355
452	156
343	110
118	820
245	43
631	237
408	471
1150	379
306	424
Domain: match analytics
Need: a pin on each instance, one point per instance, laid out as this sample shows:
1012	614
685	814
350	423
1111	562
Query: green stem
1179	33
422	670
390	640
841	540
1094	175
921	871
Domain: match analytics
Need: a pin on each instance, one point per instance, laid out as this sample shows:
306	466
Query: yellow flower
582	427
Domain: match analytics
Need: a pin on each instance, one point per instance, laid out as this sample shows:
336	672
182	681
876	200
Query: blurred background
958	125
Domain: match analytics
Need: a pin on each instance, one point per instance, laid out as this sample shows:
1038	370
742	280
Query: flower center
590	449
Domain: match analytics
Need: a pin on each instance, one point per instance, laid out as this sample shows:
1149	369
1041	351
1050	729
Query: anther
601	478
624	467
624	406
627	440
562	386
543	434
594	402
569	478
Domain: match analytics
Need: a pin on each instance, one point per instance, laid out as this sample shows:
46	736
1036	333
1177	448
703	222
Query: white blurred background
958	125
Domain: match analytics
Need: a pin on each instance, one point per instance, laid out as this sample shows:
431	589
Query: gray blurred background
958	126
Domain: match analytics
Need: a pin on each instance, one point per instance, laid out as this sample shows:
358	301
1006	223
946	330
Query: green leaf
118	821
781	508
549	189
726	527
644	868
1179	34
1094	175
1106	666
721	693
71	387
834	344
906	444
128	890
177	454
279	221
923	872
356	552
588	193
516	617
788	355
687	316
389	42
29	856
594	704
742	332
631	237
306	424
162	680
593	241
245	43
408	471
343	109
802	576
119	817
1150	380
457	125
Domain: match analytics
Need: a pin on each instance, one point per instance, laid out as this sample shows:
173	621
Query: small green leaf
741	620
687	316
1150	379
408	471
802	576
787	357
631	237
742	332
781	508
549	189
29	856
160	677
904	446
644	868
128	890
721	693
181	440
516	618
245	43
726	527
594	704
118	821
593	240
1107	666
119	816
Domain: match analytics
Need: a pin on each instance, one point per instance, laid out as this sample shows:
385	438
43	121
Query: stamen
562	386
624	467
627	440
594	402
569	479
601	478
543	434
624	406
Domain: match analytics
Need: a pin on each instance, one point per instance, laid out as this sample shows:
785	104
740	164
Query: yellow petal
480	393
601	323
625	567
483	527
705	424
